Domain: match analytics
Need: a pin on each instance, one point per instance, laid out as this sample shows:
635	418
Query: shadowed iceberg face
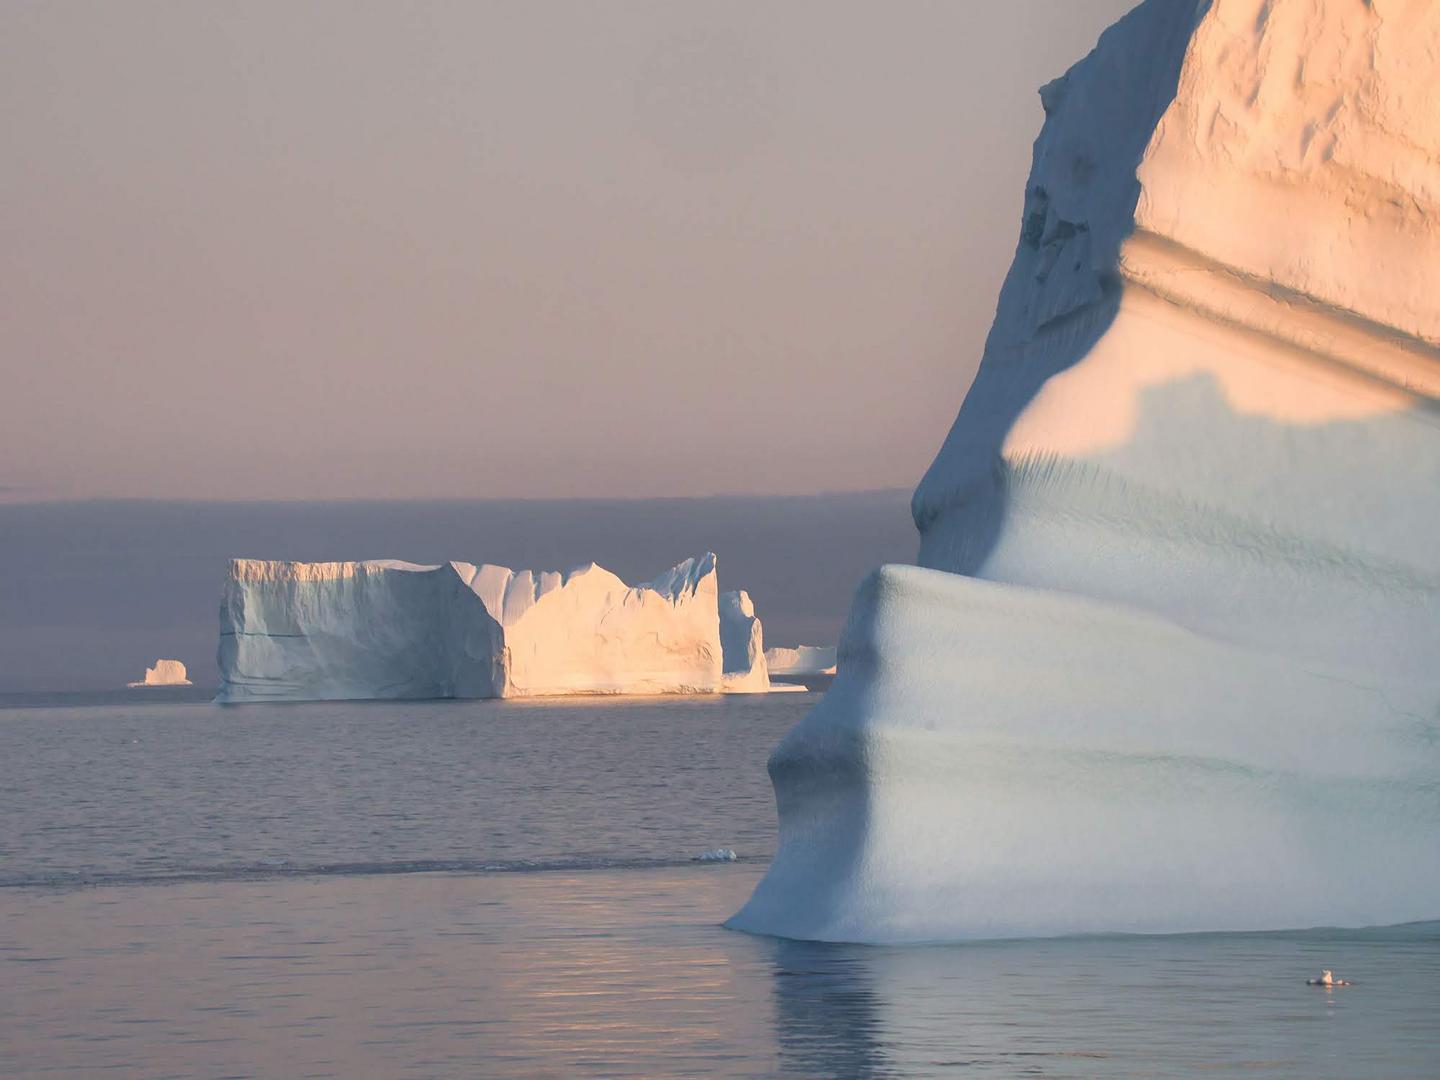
1063	290
742	642
1168	662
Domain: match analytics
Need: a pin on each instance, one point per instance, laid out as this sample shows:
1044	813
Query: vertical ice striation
352	630
1171	657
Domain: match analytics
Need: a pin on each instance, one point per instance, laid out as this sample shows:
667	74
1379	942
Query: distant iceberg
801	660
1171	657
164	673
386	629
742	641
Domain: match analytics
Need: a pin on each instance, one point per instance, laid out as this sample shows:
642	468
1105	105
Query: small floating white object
719	854
1327	978
164	673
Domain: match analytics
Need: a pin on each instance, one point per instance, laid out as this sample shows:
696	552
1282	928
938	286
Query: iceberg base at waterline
997	761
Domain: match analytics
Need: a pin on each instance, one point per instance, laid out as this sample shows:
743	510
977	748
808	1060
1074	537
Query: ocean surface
486	889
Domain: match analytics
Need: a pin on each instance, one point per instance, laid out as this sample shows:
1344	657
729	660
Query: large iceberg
390	629
1171	657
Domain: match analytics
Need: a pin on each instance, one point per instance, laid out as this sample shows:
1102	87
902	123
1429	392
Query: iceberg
801	660
742	643
1168	661
393	630
164	673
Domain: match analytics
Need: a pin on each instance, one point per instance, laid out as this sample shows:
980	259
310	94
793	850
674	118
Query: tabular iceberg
1171	657
390	629
801	660
164	673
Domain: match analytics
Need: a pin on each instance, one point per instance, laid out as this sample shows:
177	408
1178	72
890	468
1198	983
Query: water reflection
1110	1006
628	973
827	1015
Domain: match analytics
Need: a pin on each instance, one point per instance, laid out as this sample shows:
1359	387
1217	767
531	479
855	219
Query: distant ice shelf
801	660
387	629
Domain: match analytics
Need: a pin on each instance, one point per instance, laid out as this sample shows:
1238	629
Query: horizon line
92	500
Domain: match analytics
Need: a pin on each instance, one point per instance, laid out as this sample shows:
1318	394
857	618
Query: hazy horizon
529	284
497	250
99	590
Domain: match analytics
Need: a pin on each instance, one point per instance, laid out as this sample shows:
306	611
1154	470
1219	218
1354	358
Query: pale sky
299	250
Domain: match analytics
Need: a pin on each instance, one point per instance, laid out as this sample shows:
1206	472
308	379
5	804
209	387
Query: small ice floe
1327	978
719	854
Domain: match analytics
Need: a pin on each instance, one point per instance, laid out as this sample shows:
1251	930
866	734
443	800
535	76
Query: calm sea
506	890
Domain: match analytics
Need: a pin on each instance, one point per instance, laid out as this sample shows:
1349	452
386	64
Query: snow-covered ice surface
164	673
389	629
1171	660
801	660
